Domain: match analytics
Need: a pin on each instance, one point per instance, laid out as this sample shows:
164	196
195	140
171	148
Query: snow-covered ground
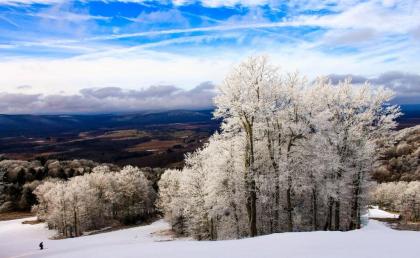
374	240
376	213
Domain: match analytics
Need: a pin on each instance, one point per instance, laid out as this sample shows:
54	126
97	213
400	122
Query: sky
62	56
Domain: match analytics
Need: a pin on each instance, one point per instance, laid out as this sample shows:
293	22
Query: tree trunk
337	215
235	213
328	222
276	222
314	208
76	233
289	204
276	225
250	180
253	222
355	209
212	231
337	200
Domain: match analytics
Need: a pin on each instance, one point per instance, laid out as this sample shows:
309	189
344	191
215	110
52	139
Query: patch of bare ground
154	145
400	224
387	220
164	235
124	134
15	215
411	226
32	222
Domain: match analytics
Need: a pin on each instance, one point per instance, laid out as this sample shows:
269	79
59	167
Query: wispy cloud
9	21
209	3
29	2
73	17
65	46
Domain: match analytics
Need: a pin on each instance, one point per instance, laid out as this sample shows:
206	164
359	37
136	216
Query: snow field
374	240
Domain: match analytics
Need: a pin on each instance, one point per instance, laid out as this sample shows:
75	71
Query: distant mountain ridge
410	117
52	125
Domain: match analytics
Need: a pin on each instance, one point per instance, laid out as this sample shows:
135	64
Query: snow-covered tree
95	200
292	155
245	93
403	197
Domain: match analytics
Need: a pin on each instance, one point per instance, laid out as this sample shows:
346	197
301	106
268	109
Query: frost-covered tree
403	197
244	96
95	200
170	200
292	155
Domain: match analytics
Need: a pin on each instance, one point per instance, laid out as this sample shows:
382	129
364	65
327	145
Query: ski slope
374	240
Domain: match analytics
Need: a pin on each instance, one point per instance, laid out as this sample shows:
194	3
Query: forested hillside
400	161
398	172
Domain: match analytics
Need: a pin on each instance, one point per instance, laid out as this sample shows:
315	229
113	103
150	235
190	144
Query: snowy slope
16	238
376	213
375	240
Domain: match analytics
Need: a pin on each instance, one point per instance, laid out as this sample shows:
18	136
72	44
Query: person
41	246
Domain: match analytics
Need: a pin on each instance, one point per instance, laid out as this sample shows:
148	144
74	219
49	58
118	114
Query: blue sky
60	48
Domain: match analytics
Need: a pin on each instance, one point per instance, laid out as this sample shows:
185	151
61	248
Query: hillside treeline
292	155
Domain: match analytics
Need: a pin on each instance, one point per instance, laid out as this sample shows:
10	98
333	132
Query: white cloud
109	99
130	71
349	37
133	67
102	61
405	85
117	99
368	15
362	21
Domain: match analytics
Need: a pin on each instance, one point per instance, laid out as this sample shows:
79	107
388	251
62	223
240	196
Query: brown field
154	145
124	134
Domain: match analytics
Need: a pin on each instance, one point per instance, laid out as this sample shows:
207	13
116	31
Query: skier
41	246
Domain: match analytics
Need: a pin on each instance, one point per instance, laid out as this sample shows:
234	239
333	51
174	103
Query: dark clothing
41	246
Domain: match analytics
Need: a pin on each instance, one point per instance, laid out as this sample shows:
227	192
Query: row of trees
292	155
18	178
95	200
403	197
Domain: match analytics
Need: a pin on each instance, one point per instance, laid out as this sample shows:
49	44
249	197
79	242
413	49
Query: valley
147	140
